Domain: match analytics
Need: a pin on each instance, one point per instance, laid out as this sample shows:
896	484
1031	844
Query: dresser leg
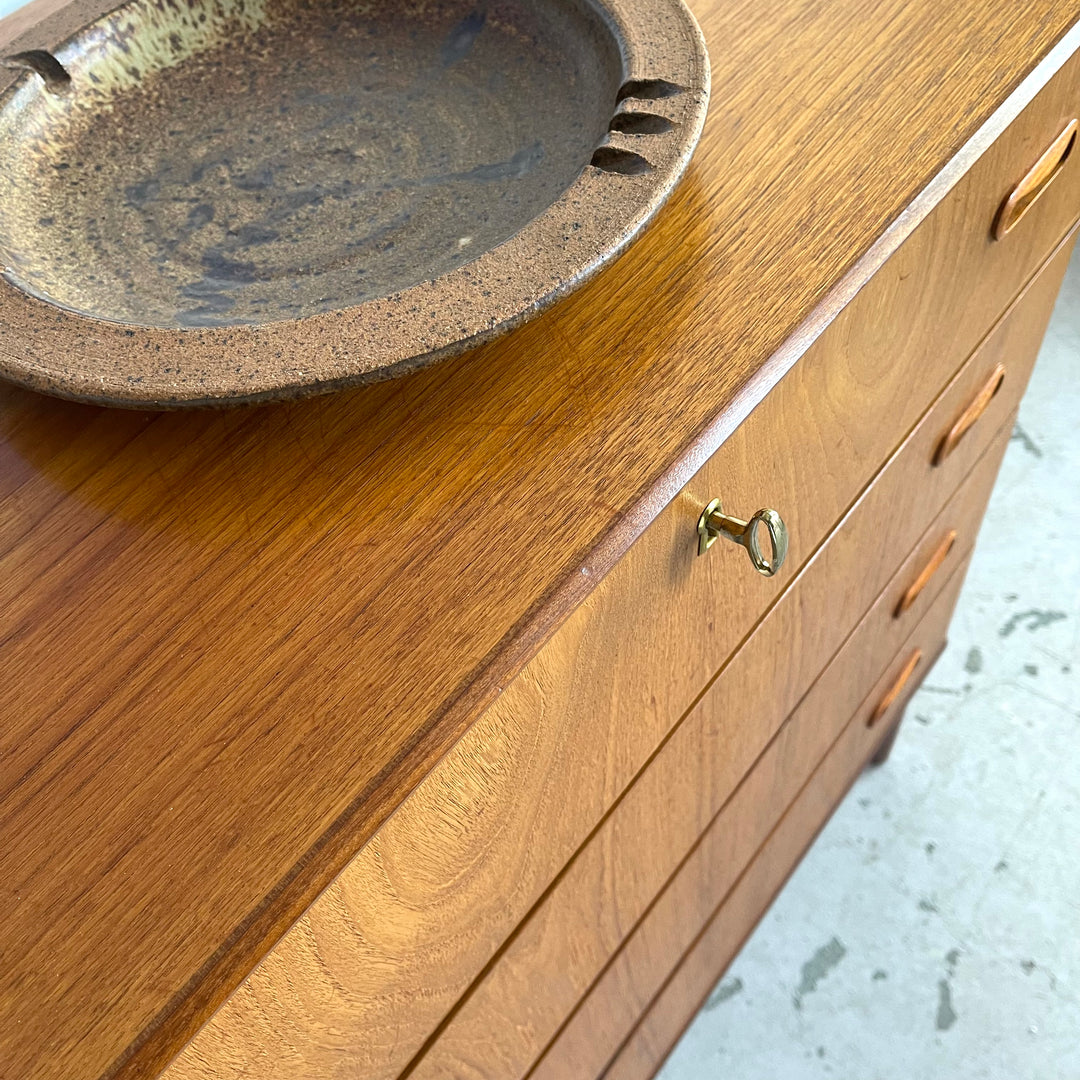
881	754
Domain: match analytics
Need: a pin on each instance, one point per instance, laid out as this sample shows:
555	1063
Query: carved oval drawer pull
927	572
1036	182
714	523
972	413
887	701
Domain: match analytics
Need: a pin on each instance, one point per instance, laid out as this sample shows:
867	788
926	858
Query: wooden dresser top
232	642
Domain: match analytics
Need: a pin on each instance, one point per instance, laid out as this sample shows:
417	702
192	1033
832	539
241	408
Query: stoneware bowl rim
54	350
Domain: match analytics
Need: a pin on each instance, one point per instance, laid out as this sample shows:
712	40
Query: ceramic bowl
209	201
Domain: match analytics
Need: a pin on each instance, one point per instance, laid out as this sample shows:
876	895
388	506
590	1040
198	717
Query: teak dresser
406	732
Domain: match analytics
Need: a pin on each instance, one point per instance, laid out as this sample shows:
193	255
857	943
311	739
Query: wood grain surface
739	905
363	979
369	971
231	643
622	990
503	1022
566	944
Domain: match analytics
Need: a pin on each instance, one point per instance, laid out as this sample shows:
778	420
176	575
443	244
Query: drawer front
723	889
517	1008
393	945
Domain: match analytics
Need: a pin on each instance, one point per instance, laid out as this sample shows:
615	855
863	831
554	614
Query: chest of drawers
409	732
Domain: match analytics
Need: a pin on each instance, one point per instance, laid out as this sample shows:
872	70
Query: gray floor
934	928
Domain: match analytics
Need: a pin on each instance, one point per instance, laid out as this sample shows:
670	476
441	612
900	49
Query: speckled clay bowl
205	201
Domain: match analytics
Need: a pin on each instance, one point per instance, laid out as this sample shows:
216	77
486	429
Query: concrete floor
934	928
